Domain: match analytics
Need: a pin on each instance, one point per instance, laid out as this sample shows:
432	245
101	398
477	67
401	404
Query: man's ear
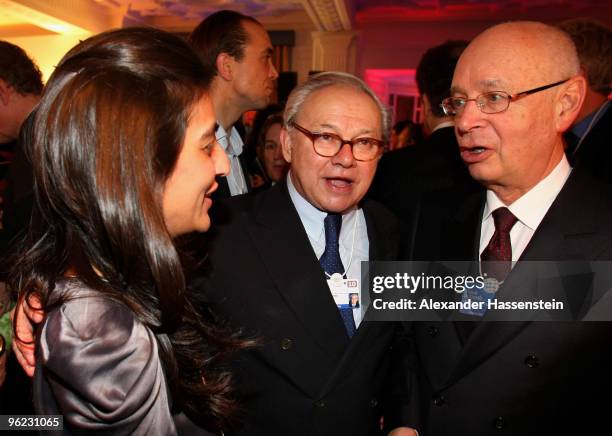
5	92
286	145
225	66
569	102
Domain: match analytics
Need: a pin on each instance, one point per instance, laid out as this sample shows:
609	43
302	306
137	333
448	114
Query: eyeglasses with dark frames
329	144
492	102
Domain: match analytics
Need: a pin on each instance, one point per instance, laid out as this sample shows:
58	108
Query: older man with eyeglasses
516	88
319	369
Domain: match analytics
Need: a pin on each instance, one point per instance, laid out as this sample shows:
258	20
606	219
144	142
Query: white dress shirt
528	209
354	243
232	145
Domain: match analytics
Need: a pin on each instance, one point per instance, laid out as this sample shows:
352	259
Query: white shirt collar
311	217
234	140
533	205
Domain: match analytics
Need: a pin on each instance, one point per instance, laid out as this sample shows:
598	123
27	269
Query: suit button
433	331
500	423
532	361
320	404
286	344
373	402
439	400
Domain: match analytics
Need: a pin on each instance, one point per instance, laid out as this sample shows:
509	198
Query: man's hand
27	315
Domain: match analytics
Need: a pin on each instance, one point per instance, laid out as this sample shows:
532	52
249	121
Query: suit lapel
487	337
459	240
287	254
461	234
383	240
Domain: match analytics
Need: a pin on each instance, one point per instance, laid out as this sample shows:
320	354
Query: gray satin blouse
99	367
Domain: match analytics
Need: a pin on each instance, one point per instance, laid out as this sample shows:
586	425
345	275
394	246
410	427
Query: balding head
511	151
526	48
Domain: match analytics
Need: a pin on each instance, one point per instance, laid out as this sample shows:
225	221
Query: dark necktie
496	260
497	256
331	263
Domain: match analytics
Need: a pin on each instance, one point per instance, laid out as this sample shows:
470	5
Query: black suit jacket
517	378
595	151
406	174
306	377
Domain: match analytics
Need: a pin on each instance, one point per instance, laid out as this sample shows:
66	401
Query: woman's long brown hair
103	140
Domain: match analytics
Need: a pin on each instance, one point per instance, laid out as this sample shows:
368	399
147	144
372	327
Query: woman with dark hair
269	150
124	155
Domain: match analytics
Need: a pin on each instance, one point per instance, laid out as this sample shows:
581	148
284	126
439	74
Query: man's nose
344	156
273	73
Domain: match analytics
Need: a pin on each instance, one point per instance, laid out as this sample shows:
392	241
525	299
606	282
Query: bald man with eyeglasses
516	89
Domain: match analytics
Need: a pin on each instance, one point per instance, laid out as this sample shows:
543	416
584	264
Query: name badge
479	293
344	291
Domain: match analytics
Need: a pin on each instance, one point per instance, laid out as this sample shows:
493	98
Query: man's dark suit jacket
595	151
516	378
306	377
406	174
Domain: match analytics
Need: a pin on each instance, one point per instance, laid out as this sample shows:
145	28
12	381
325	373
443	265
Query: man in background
238	48
20	89
588	141
433	164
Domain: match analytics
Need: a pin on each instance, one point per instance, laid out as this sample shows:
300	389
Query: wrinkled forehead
500	61
341	100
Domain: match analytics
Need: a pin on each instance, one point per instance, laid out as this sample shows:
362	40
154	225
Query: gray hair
332	78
